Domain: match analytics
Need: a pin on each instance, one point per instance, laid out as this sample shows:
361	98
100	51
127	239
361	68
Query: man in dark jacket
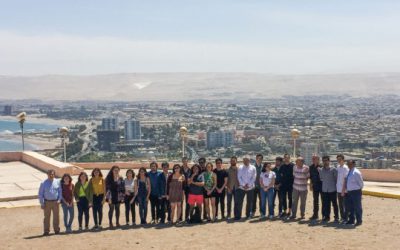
278	163
286	185
315	185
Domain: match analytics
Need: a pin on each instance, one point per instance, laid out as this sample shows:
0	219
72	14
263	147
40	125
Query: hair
264	168
340	156
164	164
97	169
260	155
184	158
110	175
141	169
326	157
154	163
195	166
351	161
130	171
218	160
280	159
202	159
286	155
69	177
234	157
180	169
300	159
208	164
84	174
51	171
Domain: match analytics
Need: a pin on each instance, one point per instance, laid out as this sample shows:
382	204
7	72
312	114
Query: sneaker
358	224
314	217
228	217
80	228
326	219
95	227
262	217
271	217
336	221
292	217
282	215
349	223
46	234
86	228
57	232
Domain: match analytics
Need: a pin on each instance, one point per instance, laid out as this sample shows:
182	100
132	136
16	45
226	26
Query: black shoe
292	217
349	223
283	215
358	224
326	219
46	234
314	217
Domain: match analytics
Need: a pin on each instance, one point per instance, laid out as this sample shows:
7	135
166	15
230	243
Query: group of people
197	193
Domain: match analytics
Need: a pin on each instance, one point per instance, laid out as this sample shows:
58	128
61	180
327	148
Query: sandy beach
21	228
41	119
39	141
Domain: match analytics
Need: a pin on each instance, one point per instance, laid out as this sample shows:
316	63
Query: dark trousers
329	199
342	206
239	197
83	209
154	207
98	209
354	206
130	209
142	209
220	202
165	207
111	212
316	196
257	195
286	196
230	197
278	193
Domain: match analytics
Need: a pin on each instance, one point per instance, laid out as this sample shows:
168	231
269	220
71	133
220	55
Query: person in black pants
187	173
154	196
247	177
328	176
83	193
315	185
257	194
130	196
115	187
162	192
222	181
278	163
286	187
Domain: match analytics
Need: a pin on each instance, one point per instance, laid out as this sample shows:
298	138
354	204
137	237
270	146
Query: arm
225	183
360	180
76	190
41	194
59	199
214	177
261	183
271	185
148	188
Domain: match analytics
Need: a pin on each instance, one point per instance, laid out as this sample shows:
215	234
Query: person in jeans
267	183
286	185
342	171
83	195
130	196
186	172
315	185
115	194
99	196
67	201
354	184
50	198
232	185
176	192
278	163
301	173
247	177
257	193
222	181
163	193
142	193
328	175
154	177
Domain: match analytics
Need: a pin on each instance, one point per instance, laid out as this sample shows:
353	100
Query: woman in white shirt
129	196
267	182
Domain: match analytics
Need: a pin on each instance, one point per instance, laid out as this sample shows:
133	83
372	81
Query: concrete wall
10	156
381	175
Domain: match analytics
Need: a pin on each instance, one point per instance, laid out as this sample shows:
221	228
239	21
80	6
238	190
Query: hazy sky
100	37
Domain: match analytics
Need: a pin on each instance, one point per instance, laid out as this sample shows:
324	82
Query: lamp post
183	133
21	119
295	134
64	133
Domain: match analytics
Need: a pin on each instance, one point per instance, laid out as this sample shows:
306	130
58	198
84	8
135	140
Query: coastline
45	120
35	141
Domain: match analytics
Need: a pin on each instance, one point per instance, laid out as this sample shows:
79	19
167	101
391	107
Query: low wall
381	175
10	156
108	165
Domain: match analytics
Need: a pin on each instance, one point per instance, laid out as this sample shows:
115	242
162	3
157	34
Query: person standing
286	185
67	201
130	196
232	185
315	186
196	197
342	170
354	184
84	196
278	163
154	177
186	172
210	184
267	183
175	191
50	198
247	177
328	175
163	193
301	174
99	196
222	181
142	193
257	194
115	195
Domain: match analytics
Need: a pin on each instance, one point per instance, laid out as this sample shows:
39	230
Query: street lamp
64	133
183	133
295	134
21	119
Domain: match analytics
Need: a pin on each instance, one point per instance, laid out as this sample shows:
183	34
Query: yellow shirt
98	185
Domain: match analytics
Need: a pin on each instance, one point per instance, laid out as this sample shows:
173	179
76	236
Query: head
246	161
202	162
83	177
315	160
299	161
218	163
195	169
97	173
130	174
142	173
115	171
286	158
165	167
153	166
233	161
259	158
351	164
266	167
51	174
340	159
185	161
66	179
326	161
278	161
177	169
209	167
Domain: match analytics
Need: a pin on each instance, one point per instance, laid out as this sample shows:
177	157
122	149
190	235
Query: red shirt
67	192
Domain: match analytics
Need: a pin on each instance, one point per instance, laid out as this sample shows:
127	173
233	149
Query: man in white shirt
342	171
247	177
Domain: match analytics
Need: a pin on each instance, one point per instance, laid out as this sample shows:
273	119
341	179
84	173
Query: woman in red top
67	201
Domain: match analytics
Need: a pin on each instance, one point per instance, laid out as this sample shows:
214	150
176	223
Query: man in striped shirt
301	174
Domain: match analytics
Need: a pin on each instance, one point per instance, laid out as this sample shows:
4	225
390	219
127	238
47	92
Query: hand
343	194
208	193
42	206
90	204
131	202
147	199
167	197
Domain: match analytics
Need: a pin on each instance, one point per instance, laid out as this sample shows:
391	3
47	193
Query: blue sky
280	37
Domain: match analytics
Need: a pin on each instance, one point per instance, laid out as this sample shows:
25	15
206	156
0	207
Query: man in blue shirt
50	198
353	184
155	208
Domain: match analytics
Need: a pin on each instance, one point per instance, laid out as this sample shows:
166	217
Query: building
132	130
308	150
106	138
216	139
7	110
109	124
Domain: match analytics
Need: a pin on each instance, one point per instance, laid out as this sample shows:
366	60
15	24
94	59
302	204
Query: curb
381	195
